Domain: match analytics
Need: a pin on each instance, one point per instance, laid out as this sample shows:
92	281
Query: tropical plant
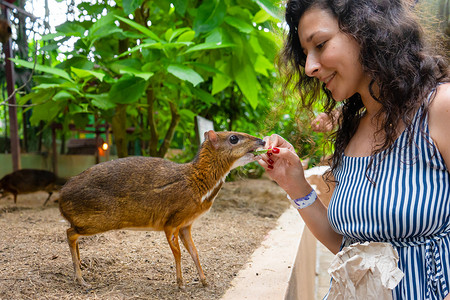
155	65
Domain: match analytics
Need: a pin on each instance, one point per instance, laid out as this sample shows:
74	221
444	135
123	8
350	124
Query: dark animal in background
153	194
29	181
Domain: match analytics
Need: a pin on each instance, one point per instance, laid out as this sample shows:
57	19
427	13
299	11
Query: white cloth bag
364	271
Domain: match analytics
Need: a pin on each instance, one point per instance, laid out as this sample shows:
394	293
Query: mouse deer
153	194
26	181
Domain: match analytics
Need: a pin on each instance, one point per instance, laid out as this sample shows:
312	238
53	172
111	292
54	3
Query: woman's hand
283	165
322	123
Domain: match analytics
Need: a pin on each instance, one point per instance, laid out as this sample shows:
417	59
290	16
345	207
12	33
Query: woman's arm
439	121
284	167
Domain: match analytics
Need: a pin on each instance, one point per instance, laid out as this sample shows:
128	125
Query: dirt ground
35	262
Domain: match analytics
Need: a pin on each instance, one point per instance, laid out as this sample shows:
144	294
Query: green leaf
41	68
44	78
208	46
210	14
81	119
188	114
45	86
261	16
187	36
142	46
180	6
63	96
77	61
127	90
255	46
239	24
129	6
177	32
262	64
214	36
259	152
37	97
137	73
139	27
221	80
204	96
206	67
246	80
71	29
87	73
168	34
104	31
101	101
51	36
176	45
75	109
46	111
185	73
49	47
268	44
271	7
122	63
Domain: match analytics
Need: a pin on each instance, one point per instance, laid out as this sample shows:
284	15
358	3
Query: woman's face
331	56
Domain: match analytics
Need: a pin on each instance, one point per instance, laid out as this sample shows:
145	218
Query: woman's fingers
276	140
275	143
282	158
286	154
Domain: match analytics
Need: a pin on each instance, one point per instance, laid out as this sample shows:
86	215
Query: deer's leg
78	253
72	238
172	238
186	238
48	198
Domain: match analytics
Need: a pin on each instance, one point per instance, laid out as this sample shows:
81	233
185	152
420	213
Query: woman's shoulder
439	120
440	104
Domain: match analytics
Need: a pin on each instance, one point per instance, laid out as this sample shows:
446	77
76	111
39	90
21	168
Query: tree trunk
170	131
154	137
119	130
119	120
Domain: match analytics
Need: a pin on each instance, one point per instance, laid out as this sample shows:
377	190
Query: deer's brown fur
153	193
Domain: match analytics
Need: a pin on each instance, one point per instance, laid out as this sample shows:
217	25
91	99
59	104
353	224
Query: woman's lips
328	79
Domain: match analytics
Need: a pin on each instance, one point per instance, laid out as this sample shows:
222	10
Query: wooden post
54	150
97	144
107	141
12	109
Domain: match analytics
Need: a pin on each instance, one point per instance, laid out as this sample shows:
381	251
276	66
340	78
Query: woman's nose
312	65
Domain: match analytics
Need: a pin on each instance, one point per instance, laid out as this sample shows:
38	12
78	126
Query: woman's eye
234	139
320	46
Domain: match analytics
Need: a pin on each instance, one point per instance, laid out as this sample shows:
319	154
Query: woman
392	145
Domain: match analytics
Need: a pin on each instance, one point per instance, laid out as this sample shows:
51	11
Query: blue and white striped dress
409	207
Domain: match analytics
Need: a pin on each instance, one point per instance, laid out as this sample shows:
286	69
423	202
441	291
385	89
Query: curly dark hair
393	52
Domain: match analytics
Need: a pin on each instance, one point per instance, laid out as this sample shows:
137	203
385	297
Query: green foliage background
155	65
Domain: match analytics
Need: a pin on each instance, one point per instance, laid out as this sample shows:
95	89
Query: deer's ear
212	137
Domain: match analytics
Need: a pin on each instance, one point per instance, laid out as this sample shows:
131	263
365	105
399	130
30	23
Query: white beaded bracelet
303	202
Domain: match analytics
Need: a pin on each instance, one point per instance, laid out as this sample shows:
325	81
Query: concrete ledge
267	274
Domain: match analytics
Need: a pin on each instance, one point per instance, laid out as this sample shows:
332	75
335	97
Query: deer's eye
234	139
